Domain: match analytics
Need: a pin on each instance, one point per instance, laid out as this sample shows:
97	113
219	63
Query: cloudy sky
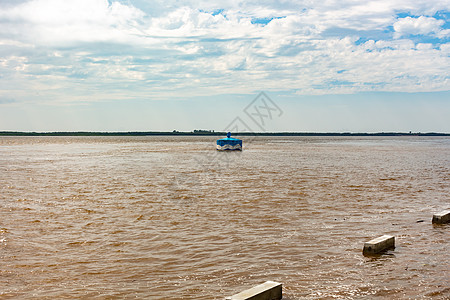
141	65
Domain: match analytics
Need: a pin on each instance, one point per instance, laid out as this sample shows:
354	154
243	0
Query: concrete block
269	290
442	217
379	244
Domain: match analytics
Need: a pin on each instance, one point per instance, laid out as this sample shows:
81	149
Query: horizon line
213	133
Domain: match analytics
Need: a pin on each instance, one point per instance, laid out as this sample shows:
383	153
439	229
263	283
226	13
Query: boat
229	143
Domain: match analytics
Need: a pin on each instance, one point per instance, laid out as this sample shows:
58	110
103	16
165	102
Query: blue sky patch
405	15
340	82
217	12
443	16
264	21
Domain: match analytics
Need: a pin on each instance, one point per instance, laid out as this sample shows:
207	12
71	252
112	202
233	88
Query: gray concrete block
269	290
379	244
442	217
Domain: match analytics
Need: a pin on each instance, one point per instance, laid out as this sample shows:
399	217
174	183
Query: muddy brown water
172	218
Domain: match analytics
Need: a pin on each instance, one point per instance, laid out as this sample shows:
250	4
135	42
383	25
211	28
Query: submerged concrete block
442	217
269	290
379	244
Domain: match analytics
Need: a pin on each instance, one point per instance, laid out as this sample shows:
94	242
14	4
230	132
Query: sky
284	65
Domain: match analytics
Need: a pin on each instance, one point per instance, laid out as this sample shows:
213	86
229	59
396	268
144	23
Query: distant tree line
215	133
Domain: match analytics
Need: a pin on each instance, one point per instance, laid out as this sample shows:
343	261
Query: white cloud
95	49
55	22
417	26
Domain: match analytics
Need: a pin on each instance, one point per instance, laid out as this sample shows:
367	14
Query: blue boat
229	143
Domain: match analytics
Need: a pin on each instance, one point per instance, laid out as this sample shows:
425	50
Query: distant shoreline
212	133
